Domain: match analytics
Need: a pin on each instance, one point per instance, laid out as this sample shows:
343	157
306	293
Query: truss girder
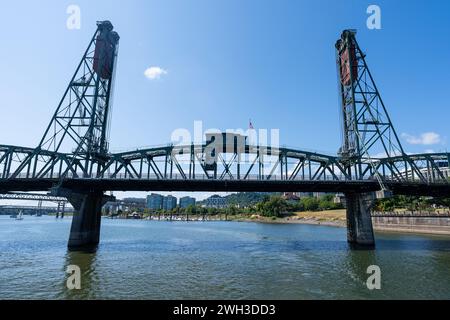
188	163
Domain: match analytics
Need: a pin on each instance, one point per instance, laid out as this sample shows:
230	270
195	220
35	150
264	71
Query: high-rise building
186	202
169	203
155	201
216	202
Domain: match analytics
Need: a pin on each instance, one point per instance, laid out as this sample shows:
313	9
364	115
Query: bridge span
72	159
209	185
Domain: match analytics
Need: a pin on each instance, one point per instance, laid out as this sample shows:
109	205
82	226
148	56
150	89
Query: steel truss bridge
183	168
72	159
60	201
31	197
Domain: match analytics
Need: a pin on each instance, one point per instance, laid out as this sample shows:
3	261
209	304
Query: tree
191	209
272	207
232	210
310	204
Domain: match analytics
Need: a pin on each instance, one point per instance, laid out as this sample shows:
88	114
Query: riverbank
334	218
337	218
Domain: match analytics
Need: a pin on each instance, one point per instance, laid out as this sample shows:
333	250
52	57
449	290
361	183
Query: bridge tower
82	119
80	125
79	129
366	126
367	131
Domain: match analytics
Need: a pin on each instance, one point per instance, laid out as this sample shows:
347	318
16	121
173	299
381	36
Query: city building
216	202
169	203
186	202
316	195
155	201
319	195
302	195
136	203
290	196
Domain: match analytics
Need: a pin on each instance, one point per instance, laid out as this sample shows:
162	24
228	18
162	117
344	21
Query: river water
217	260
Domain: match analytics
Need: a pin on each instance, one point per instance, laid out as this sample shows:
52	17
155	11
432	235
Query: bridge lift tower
367	131
83	119
80	129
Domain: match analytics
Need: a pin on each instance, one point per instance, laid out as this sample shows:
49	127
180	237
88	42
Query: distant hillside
245	199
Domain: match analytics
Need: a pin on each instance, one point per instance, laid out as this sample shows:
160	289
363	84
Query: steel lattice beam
31	196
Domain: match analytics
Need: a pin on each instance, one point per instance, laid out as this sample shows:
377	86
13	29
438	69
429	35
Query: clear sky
224	62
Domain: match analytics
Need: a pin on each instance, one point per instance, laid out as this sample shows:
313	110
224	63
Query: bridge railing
177	176
250	177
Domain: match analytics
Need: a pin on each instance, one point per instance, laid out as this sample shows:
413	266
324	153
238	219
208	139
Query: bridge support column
359	220
85	230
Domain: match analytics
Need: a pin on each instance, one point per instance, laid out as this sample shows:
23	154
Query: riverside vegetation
251	206
275	208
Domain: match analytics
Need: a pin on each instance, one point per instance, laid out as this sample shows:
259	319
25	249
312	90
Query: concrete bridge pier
359	220
85	230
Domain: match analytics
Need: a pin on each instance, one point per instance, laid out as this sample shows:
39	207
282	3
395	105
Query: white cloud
427	138
154	73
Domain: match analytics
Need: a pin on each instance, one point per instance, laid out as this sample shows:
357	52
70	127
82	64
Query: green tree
274	206
191	209
310	204
232	210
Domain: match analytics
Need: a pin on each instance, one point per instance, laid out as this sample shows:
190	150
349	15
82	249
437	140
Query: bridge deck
28	185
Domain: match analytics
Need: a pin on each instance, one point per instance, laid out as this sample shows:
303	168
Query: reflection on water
89	278
216	260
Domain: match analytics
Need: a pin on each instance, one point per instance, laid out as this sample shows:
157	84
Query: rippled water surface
216	260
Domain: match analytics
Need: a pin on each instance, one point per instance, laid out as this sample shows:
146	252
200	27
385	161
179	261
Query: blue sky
226	62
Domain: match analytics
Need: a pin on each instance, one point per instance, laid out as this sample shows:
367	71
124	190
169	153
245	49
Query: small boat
20	216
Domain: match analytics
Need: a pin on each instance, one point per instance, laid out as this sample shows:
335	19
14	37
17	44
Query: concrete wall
413	224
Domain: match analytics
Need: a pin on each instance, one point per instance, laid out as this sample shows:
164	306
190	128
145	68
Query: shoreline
337	219
294	221
387	228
